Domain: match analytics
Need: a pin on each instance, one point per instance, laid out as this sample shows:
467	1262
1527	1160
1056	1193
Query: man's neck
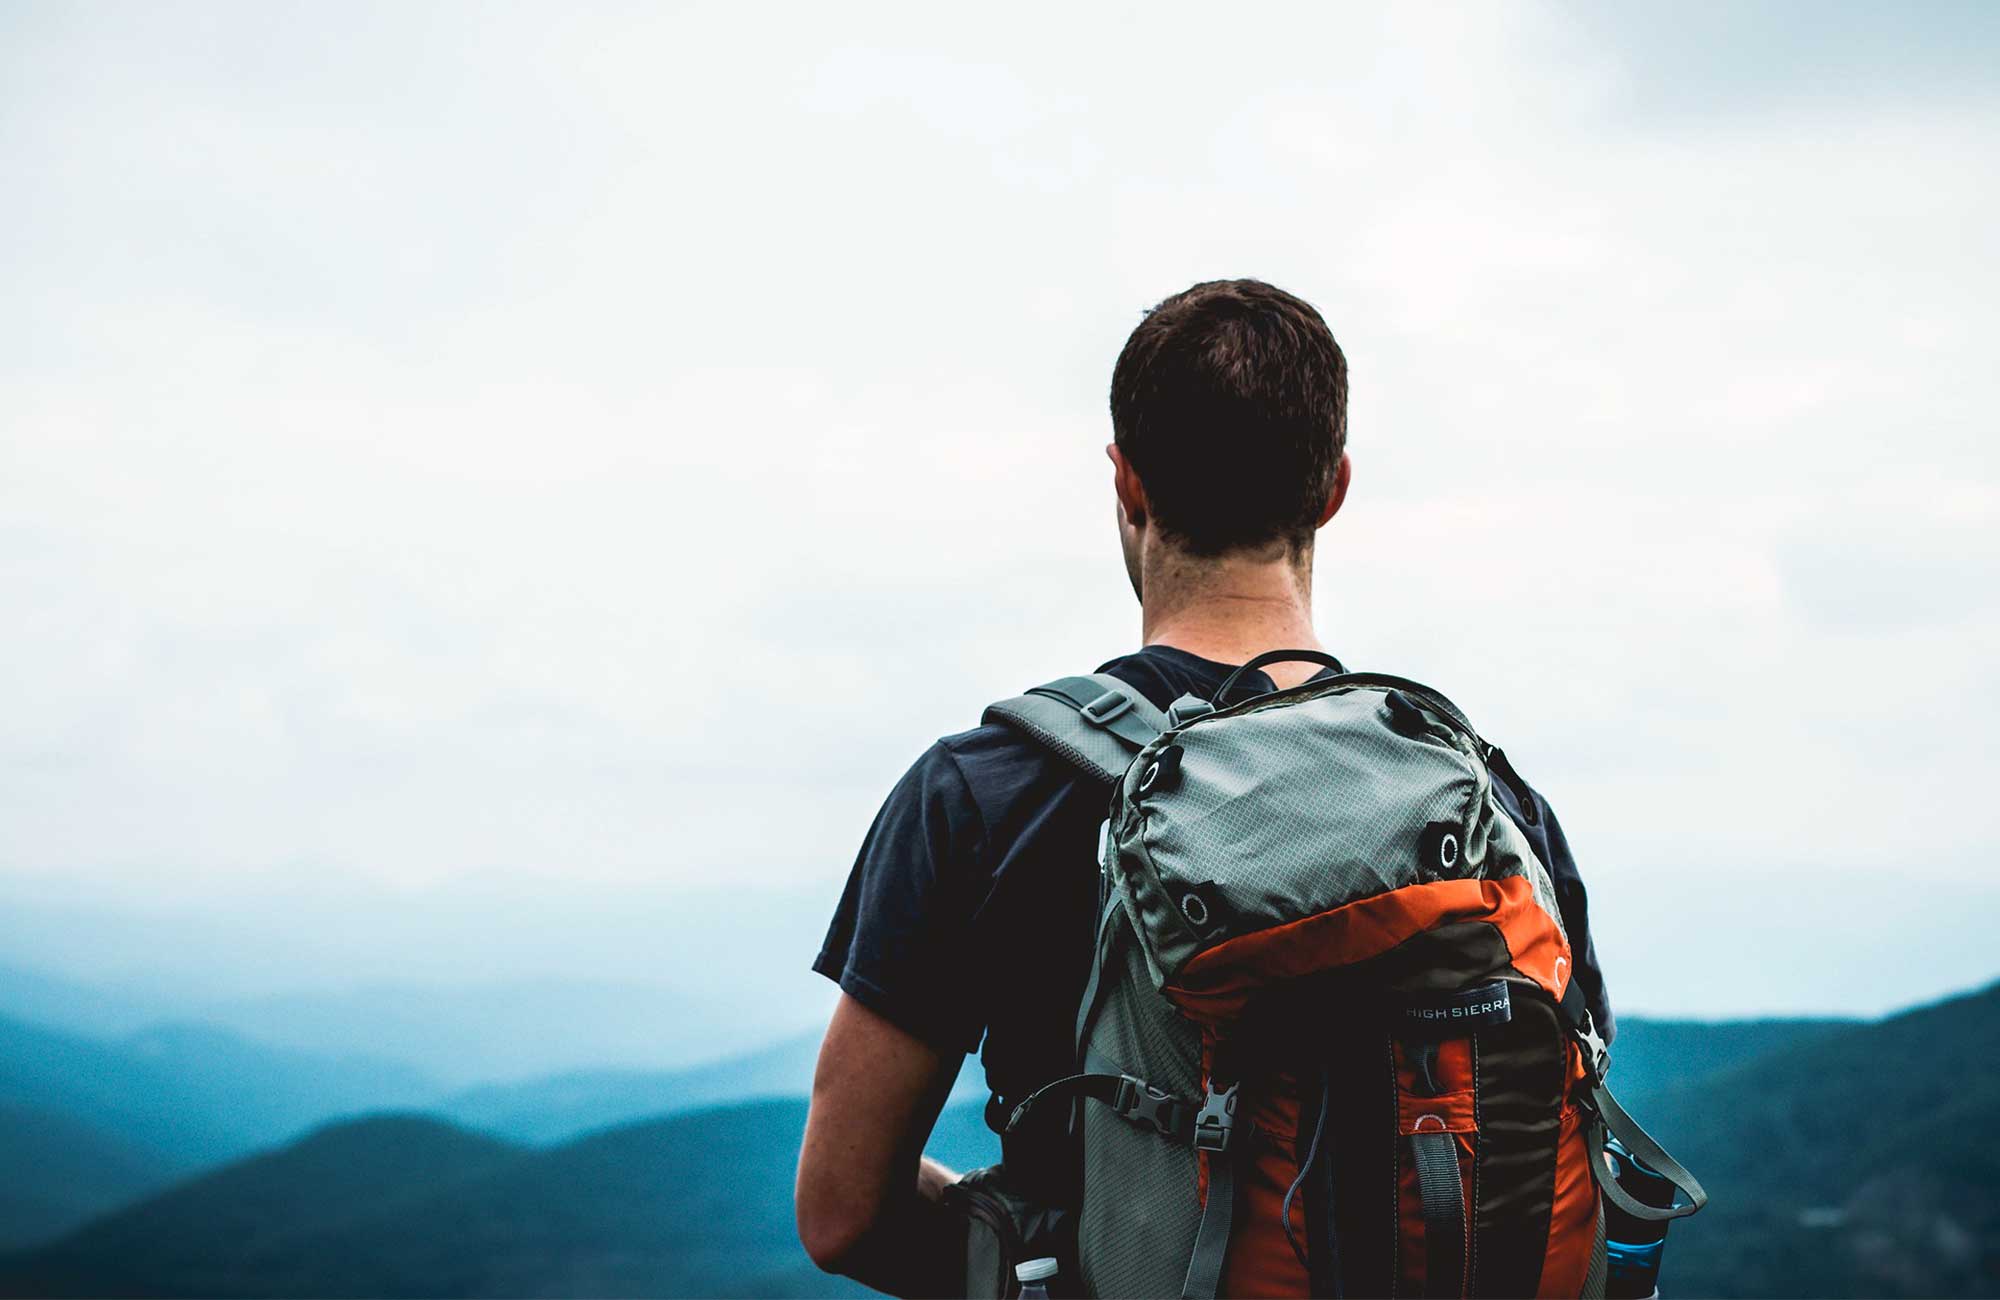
1231	610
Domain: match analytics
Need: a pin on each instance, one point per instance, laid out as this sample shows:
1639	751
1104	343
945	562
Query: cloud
484	443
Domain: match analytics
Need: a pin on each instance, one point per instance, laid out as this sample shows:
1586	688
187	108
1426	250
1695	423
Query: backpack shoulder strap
1096	722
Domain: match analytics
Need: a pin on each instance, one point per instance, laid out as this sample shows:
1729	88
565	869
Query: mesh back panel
1138	1222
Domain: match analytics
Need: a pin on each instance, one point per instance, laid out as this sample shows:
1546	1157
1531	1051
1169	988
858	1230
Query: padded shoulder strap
1096	722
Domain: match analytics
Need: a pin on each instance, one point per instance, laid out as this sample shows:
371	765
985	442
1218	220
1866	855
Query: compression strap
1609	1119
1215	1134
1436	1157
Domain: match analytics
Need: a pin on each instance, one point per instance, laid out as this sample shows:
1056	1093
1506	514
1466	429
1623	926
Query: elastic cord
1312	1154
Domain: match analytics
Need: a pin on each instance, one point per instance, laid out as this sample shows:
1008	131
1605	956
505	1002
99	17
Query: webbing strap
1611	1120
1086	1010
1576	1008
1131	1098
1211	1241
1611	1117
1436	1158
1102	1087
1595	1276
1107	703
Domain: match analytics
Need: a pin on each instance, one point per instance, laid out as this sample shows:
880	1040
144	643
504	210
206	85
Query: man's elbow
830	1228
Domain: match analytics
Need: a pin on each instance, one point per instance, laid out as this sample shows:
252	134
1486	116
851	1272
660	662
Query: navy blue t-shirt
970	914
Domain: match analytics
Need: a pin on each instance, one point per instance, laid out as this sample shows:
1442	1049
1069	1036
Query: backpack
1330	1044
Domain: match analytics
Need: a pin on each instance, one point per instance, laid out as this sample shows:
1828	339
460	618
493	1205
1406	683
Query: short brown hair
1230	401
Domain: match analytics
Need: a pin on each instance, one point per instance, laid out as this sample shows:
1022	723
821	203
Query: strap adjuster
1105	707
1215	1123
1145	1106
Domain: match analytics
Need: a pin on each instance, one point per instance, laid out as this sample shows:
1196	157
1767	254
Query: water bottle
1633	1247
1034	1276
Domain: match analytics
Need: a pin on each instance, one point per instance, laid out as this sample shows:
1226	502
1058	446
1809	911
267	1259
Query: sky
504	489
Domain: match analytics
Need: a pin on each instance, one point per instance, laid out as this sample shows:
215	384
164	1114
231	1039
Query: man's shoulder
993	758
1004	769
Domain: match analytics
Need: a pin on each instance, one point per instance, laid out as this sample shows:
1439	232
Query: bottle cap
1035	1270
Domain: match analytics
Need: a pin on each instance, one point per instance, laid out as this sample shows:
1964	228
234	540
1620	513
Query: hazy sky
477	481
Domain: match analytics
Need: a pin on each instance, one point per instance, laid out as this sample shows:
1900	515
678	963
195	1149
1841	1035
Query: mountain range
62	1170
1852	1163
459	1036
565	1105
696	1204
1843	1157
193	1094
88	1124
103	1121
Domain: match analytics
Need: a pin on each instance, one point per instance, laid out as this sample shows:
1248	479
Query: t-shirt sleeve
1574	901
899	938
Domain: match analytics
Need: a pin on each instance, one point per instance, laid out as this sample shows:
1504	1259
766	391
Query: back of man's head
1230	403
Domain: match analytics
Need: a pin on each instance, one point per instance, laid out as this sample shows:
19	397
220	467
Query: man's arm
867	1200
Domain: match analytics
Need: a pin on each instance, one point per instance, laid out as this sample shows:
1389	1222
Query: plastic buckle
1146	1106
1216	1122
1105	707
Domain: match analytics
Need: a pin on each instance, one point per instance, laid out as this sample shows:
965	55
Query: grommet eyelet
1440	850
1195	910
1162	773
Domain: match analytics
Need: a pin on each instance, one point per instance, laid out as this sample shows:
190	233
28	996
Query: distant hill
192	1094
569	1105
60	1171
73	1007
461	1036
1844	1159
244	1228
1651	1056
1851	1163
961	1138
476	1035
699	1204
695	1205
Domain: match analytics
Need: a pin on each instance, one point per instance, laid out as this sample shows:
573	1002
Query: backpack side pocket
1004	1229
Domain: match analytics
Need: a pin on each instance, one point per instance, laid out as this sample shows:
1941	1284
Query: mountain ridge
1836	1152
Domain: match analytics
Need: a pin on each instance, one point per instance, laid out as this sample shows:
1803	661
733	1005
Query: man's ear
1125	481
1343	474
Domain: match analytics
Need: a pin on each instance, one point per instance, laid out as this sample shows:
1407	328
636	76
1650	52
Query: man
970	912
